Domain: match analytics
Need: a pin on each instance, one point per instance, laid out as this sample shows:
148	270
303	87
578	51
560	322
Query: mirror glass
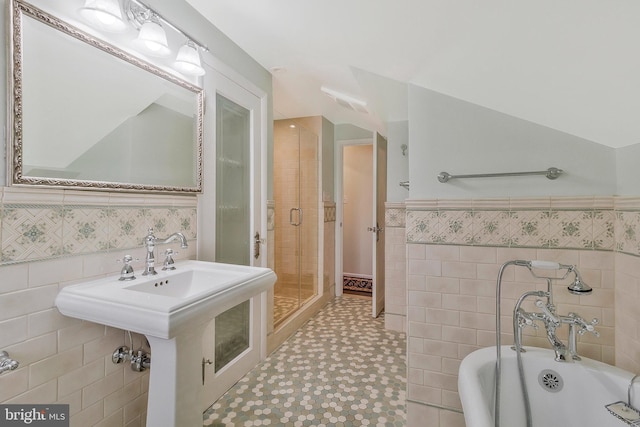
86	114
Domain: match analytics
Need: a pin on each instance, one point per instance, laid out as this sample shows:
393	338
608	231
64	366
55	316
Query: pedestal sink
172	310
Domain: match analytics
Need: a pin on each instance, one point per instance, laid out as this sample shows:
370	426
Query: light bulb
104	15
152	40
188	60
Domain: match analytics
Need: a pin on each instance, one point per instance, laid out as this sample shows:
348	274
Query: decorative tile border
627	232
329	212
395	215
609	224
30	232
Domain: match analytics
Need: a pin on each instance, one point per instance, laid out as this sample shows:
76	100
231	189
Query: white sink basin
164	304
183	285
172	309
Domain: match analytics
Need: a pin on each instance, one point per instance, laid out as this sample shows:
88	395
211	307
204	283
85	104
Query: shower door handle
295	224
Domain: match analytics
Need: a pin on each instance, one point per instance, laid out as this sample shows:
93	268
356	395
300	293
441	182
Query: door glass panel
233	185
232	334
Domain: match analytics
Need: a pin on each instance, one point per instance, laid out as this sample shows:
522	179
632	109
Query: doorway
357	200
375	226
295	190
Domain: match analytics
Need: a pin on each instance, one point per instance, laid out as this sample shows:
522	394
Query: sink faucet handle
169	263
127	270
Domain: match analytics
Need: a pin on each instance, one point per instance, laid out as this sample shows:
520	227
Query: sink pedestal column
175	381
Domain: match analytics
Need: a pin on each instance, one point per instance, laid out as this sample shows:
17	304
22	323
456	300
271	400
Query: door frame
339	190
339	234
221	79
378	236
245	94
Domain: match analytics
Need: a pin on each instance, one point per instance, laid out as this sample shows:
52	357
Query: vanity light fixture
188	60
105	15
152	39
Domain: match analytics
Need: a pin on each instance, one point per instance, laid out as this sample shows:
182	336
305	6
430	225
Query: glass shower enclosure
295	184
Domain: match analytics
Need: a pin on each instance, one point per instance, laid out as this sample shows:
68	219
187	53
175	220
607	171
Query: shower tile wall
54	238
454	251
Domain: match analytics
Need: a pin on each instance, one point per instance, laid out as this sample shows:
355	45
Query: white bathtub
588	386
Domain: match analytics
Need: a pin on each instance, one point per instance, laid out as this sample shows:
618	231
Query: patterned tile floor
283	307
342	368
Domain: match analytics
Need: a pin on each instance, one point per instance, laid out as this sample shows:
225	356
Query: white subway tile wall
454	251
48	244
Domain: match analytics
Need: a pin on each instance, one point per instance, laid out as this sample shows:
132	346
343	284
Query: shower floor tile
342	368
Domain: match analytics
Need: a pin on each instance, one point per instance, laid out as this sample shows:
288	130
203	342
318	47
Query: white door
232	223
377	228
234	178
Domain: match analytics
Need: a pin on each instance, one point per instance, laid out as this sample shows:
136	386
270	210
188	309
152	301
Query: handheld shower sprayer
578	287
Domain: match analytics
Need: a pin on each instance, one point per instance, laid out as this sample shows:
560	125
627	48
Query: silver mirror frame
15	113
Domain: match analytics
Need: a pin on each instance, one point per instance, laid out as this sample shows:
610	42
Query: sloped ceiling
571	65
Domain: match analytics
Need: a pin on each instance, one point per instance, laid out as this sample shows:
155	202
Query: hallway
342	368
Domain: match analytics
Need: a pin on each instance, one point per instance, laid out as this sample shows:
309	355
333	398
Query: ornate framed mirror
85	114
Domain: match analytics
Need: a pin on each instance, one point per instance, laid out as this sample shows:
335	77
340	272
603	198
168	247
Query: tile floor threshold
341	368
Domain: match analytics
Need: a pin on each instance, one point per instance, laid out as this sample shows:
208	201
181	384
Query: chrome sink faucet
150	242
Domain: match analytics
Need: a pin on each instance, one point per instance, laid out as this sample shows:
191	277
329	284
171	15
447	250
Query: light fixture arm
139	13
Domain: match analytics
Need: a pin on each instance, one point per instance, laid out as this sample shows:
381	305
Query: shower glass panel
233	219
296	217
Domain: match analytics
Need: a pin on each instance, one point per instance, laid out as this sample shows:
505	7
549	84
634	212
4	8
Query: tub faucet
578	326
150	242
549	319
551	323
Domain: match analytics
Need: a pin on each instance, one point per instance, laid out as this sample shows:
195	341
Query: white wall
348	131
628	169
358	209
397	163
458	137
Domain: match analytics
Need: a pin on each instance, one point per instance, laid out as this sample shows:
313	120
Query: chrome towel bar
551	173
